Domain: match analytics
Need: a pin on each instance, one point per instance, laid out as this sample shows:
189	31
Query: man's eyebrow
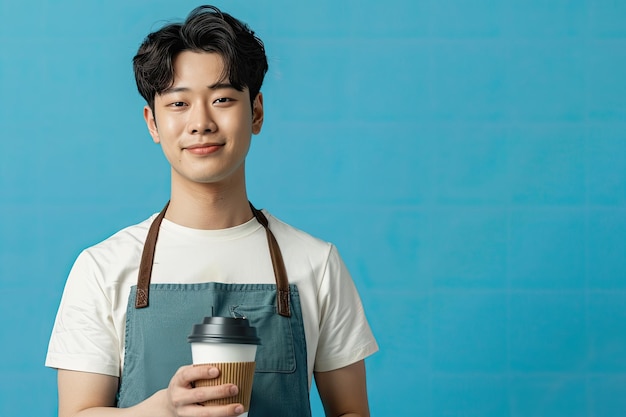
171	90
221	86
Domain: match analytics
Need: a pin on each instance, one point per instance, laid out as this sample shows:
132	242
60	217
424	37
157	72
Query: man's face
203	124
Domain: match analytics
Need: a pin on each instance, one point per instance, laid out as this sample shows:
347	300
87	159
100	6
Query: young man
119	340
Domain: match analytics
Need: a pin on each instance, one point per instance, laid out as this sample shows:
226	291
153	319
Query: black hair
206	29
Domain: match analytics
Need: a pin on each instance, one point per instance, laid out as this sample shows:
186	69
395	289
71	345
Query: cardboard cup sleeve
238	373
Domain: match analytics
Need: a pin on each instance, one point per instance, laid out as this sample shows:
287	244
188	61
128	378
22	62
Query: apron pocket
276	351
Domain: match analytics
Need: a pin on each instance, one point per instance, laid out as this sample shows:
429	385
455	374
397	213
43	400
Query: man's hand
183	398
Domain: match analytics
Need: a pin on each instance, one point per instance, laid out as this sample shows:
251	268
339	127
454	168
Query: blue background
467	157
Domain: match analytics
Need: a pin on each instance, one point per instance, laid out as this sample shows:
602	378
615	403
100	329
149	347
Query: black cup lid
224	330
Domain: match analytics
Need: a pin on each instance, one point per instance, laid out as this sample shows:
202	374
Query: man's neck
209	206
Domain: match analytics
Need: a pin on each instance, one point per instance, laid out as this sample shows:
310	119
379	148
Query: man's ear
148	116
257	114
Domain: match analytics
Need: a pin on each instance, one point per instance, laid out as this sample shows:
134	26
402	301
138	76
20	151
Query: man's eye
223	100
177	104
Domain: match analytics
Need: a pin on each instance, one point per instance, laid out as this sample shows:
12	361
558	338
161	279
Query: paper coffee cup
230	345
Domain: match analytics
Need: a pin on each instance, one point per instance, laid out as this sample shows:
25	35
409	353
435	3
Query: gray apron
160	317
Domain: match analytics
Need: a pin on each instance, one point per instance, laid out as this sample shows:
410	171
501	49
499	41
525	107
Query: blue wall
468	158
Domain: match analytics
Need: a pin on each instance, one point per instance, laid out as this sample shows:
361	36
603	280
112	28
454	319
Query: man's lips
203	148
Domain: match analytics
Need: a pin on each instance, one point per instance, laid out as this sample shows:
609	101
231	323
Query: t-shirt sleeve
345	334
83	337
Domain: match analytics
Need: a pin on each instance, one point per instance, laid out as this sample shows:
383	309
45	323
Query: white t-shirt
88	333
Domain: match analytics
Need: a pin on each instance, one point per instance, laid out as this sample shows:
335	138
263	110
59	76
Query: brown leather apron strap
280	273
147	260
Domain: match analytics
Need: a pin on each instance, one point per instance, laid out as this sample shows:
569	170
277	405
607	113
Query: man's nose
201	121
